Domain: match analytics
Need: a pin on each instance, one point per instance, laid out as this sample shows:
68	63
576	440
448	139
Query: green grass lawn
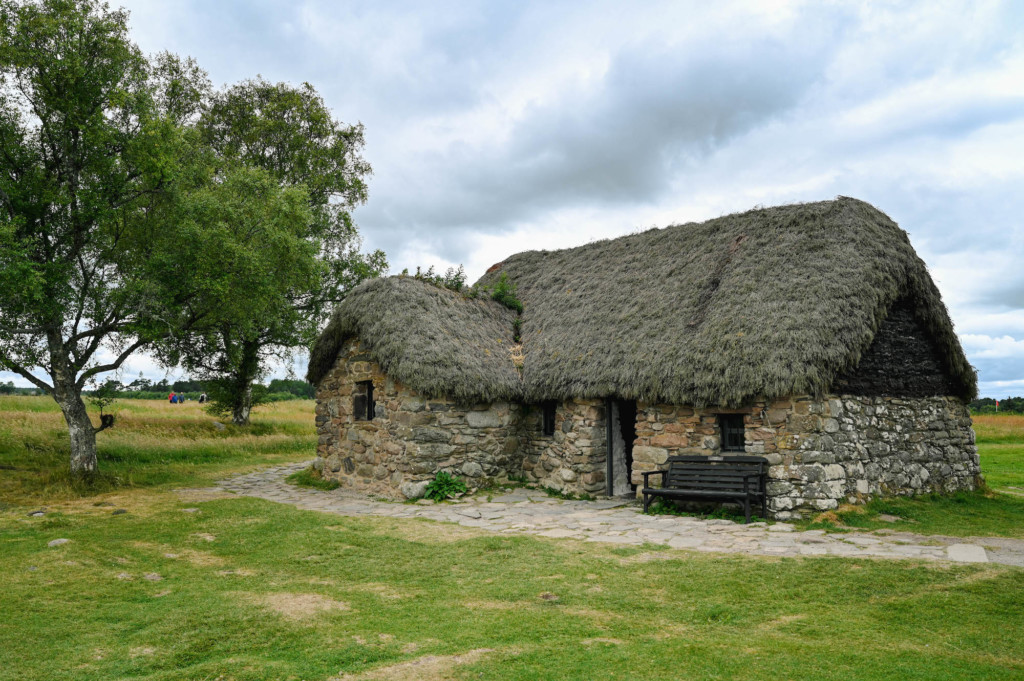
248	589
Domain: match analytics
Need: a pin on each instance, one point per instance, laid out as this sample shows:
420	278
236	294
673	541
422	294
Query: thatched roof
767	303
427	337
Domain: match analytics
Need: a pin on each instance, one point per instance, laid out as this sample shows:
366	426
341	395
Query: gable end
902	361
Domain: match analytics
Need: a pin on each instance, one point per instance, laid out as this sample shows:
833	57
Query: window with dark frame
549	418
362	401
733	436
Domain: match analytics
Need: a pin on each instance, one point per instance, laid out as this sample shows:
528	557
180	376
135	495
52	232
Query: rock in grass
36	514
190	510
58	542
152	576
118	511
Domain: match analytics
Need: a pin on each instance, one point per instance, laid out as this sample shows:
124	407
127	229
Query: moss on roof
767	303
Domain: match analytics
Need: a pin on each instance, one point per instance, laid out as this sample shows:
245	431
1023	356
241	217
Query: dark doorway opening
621	433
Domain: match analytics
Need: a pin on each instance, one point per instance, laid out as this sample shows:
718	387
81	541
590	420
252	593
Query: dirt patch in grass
494	605
782	621
200	494
431	532
591	613
603	641
197	558
297	606
426	668
383	590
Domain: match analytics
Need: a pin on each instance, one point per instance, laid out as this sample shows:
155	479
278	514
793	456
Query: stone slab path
620	522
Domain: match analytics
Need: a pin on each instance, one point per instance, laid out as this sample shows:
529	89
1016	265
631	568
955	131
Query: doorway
621	434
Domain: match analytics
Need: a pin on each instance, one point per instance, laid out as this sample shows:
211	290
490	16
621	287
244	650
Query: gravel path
620	522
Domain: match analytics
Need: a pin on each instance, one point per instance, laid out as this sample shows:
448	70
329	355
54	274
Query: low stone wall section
411	437
824	452
574	459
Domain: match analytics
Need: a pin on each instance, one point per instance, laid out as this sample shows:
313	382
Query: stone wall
840	449
411	437
822	452
574	459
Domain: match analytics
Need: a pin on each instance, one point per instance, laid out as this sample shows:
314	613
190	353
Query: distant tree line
1007	405
278	390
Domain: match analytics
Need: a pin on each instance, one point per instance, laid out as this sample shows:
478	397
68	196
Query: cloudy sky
495	127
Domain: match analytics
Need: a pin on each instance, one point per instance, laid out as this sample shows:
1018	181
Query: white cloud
499	127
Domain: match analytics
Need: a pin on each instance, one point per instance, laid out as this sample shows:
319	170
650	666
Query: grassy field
154	444
157	585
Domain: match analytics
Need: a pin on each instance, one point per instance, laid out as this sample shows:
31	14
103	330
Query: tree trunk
68	396
242	406
81	430
247	371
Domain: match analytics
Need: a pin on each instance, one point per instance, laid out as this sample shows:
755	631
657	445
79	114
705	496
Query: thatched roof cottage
811	334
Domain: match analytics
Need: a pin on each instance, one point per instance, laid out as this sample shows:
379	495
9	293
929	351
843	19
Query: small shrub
444	485
504	292
453	279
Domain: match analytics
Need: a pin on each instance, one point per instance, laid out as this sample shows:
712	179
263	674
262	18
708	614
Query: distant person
171	398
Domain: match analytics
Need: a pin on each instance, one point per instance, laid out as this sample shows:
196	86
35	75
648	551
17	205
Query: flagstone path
620	522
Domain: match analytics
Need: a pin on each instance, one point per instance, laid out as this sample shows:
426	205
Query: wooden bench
740	479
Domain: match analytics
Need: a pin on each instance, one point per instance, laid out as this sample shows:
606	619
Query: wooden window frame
548	410
362	401
732	423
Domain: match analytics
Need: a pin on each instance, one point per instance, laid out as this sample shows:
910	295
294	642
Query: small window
362	401
549	418
733	437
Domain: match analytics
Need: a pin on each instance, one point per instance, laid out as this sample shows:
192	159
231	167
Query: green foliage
452	279
444	485
97	160
297	388
504	292
310	477
1007	405
298	175
223	395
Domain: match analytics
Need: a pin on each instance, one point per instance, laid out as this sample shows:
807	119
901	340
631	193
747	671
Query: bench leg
764	507
746	509
647	502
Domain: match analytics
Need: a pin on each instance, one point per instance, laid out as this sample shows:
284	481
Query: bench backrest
724	473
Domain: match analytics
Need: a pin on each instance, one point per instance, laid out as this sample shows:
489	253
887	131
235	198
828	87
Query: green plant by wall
444	485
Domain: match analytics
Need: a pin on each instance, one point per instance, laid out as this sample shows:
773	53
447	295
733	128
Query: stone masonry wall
841	449
574	459
411	437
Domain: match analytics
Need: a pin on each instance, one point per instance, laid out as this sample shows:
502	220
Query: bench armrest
648	474
755	476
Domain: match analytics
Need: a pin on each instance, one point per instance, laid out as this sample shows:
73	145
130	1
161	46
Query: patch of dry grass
297	606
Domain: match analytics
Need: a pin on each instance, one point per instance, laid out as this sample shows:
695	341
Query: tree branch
18	369
86	375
